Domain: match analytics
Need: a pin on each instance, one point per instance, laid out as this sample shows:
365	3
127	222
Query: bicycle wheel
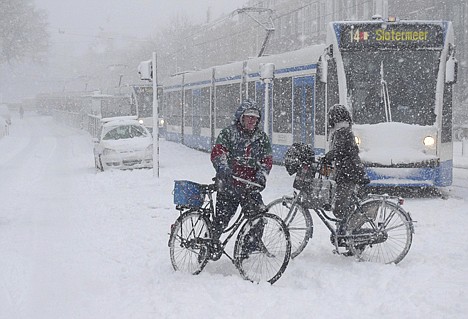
187	242
381	232
262	249
297	220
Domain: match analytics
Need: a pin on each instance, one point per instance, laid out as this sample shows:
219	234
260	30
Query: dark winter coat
345	153
244	154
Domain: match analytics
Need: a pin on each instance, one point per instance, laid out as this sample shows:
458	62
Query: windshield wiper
384	94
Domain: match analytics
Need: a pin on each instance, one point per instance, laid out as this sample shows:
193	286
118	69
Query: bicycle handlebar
249	183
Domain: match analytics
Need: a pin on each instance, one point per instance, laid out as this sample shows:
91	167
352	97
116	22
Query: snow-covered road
77	243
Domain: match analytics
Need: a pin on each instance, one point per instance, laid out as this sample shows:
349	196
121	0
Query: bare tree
23	32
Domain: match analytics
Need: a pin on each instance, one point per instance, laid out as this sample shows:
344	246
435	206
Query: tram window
188	108
333	95
251	93
446	135
227	102
282	113
410	79
205	108
174	103
320	108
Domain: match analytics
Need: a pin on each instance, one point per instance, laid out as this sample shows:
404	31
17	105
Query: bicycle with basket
377	230
262	248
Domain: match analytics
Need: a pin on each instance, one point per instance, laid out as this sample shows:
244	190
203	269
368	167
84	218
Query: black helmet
338	113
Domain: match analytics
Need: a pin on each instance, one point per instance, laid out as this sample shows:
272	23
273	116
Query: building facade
300	23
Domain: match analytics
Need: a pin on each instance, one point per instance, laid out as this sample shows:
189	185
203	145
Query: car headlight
161	122
357	140
140	121
428	141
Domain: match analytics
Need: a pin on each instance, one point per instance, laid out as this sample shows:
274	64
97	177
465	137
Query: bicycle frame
324	217
208	210
374	237
262	247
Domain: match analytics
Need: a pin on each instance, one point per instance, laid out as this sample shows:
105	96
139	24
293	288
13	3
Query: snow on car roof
119	120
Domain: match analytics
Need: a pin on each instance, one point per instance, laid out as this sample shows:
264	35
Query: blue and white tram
197	105
396	77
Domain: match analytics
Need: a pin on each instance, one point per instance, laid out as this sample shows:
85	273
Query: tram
395	76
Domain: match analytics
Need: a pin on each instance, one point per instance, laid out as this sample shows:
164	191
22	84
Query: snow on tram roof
232	71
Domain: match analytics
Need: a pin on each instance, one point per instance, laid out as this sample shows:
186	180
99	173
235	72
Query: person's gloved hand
224	173
364	181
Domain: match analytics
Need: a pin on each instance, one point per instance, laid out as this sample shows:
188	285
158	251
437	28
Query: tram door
303	111
196	112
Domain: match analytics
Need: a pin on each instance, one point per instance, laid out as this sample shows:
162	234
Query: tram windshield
404	78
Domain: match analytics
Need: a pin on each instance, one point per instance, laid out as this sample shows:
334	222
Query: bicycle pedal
343	252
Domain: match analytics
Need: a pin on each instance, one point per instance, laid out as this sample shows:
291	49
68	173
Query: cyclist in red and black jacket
242	150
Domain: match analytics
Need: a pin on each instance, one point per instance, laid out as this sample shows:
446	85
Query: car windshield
125	132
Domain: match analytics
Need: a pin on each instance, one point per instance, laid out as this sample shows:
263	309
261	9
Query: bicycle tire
269	261
300	226
396	232
188	253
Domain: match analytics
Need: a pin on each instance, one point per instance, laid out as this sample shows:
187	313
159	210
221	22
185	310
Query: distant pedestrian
21	112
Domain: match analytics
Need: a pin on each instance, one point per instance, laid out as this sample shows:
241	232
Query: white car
123	143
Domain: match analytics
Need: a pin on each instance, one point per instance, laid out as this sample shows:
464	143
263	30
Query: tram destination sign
353	37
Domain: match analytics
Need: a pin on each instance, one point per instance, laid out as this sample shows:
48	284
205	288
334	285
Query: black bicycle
262	249
378	230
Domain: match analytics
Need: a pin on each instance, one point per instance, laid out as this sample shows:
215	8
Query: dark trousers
343	203
227	203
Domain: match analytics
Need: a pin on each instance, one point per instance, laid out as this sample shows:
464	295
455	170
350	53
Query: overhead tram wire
210	26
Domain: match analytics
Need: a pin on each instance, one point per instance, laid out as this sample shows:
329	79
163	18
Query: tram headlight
357	140
429	141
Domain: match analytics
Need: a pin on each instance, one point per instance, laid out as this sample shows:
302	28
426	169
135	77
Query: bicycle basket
317	191
304	177
187	193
